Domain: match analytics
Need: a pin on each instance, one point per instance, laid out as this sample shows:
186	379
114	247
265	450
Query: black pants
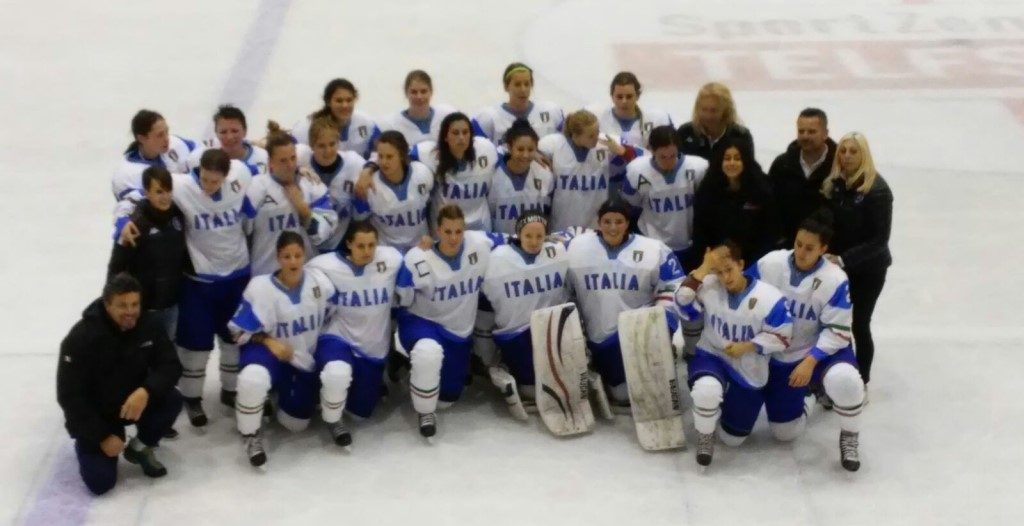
865	287
99	472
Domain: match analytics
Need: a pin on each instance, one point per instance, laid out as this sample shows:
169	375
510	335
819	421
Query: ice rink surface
937	87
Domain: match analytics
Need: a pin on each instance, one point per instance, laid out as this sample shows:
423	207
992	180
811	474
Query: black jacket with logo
696	143
797	196
863	223
100	365
158	258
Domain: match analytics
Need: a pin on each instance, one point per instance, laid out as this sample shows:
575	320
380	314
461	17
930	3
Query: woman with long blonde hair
861	202
714	120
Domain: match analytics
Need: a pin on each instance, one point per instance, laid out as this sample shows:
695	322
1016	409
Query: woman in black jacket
713	124
861	202
734	201
157	256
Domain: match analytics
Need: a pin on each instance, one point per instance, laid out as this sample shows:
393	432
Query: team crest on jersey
236	186
422	189
601	155
362	131
536	184
648	126
550	251
472	258
381	266
690	174
173	155
268	200
545	116
751	302
261	168
347	186
482	162
815	284
638	255
316	291
422	269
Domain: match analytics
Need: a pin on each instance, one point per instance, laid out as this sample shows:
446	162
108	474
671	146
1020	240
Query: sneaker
340	434
254	449
705	448
171	434
194	410
428	424
848	442
227	398
141	454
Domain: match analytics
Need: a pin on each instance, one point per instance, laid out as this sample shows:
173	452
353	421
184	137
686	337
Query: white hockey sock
193	372
335	380
229	355
253	386
425	375
845	387
707	395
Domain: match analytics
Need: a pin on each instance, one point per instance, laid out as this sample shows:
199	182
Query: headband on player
530	217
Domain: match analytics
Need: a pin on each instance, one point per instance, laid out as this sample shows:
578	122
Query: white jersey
640	272
340	179
445	290
127	179
294	317
635	132
757	314
416	131
214	225
818	300
359	135
513	195
272	214
468	187
581	180
255	157
399	211
517	283
493	121
665	199
365	296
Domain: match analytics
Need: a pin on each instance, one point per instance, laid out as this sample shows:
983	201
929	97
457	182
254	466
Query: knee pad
426	355
336	373
788	431
290	422
707	392
844	385
254	379
729	439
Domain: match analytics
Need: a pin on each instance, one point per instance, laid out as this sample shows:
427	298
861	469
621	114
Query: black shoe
848	456
145	458
227	398
705	448
171	434
194	410
254	449
428	424
340	434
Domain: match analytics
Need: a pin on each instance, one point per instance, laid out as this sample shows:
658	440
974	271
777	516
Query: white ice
941	439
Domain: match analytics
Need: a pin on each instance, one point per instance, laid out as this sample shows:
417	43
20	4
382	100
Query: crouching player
745	321
821	351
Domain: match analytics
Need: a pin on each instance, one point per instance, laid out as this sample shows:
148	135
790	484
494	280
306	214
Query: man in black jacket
796	175
116	368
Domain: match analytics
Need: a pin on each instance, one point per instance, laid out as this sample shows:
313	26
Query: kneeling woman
745	320
277	325
527	274
821	351
613	271
351	350
439	290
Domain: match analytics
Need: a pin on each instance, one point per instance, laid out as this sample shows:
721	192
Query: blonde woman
714	119
861	202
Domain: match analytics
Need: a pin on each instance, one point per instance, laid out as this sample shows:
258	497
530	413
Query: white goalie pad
560	367
651	377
